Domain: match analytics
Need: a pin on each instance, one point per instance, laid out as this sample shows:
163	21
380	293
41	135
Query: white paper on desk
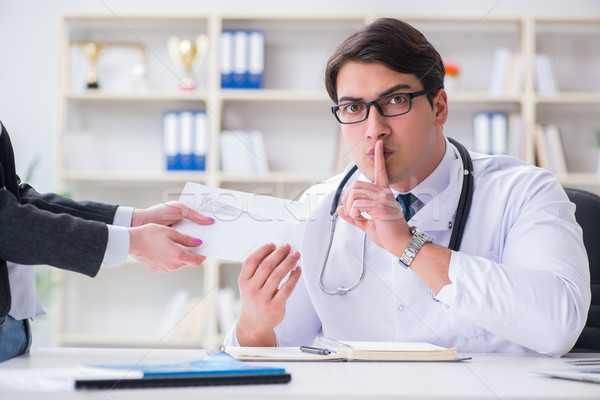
243	221
60	379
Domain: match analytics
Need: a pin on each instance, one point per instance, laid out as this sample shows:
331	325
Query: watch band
418	240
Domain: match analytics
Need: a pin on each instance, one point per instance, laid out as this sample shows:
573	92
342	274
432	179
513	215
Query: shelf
274	95
291	111
141	96
130	341
135	177
570	98
275	177
480	97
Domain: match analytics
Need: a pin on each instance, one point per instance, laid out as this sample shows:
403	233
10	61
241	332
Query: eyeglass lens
388	106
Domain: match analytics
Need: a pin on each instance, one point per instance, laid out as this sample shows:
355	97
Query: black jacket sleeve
46	228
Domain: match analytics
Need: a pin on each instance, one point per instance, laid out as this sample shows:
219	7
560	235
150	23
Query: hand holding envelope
243	221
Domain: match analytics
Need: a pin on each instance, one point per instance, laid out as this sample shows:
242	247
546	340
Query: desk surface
485	376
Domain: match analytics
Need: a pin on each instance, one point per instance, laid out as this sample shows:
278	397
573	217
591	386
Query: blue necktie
406	200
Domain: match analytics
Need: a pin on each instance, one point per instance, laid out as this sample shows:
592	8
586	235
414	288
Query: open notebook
347	351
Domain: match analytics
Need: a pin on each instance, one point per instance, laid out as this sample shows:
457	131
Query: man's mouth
386	153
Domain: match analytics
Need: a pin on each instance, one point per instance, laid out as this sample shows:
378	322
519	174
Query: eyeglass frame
375	102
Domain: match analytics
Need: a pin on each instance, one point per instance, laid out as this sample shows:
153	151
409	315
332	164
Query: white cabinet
110	139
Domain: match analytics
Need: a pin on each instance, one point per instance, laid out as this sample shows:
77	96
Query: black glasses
391	105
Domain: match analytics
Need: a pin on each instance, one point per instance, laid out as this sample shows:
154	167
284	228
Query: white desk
486	376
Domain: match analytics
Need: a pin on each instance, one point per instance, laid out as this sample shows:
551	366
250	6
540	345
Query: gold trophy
186	53
92	51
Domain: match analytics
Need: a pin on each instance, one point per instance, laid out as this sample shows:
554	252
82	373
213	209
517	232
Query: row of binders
242	59
185	139
501	133
498	133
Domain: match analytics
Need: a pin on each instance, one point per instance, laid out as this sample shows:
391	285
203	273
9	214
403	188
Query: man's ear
440	108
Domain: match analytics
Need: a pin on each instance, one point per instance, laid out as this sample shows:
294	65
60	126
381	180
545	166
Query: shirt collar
440	185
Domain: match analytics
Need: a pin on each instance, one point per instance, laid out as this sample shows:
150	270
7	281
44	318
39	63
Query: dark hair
395	44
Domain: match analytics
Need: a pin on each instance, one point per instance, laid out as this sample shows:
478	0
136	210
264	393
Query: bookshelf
128	306
573	46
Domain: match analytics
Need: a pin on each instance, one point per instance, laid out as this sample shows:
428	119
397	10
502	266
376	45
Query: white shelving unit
125	307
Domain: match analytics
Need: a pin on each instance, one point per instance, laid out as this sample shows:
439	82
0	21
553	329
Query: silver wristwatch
418	240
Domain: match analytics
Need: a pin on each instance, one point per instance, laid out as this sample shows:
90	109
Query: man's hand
385	224
158	246
263	300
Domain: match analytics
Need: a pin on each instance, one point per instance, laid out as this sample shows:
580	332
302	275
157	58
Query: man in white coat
520	280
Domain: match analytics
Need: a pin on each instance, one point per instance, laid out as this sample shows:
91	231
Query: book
186	140
240	59
556	153
517	142
256	59
513	83
490	132
218	369
170	139
499	71
347	351
226	59
549	149
545	78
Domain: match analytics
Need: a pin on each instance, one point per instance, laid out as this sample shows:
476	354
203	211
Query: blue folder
219	369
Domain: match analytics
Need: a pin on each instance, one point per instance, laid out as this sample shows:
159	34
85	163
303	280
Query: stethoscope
462	212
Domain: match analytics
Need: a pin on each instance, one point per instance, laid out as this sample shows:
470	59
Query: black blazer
46	228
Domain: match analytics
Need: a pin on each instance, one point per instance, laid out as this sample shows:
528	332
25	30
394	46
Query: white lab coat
520	280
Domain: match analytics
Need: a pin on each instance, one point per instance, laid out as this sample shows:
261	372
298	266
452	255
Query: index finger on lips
380	172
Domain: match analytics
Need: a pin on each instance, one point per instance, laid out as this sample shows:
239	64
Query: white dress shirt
520	280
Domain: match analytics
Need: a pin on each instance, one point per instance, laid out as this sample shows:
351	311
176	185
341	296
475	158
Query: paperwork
243	221
347	351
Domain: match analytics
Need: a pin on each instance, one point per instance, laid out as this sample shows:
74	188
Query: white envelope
243	221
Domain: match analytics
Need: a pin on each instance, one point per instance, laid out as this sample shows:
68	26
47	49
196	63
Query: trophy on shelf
186	53
92	51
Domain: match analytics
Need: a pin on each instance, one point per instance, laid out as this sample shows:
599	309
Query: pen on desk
314	350
584	361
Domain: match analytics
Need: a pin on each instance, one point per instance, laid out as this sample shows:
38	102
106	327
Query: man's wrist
418	240
248	338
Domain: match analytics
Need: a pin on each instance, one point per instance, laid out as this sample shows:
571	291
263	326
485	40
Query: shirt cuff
123	216
231	337
448	293
117	247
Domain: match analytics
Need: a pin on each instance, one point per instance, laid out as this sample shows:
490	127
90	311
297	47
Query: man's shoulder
502	165
513	176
